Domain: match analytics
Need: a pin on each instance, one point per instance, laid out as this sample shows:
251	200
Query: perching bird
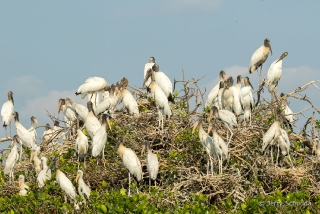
213	95
220	147
235	89
81	110
317	148
100	138
83	189
81	146
92	123
44	174
260	56
24	135
274	73
111	102
246	99
22	186
152	163
284	145
130	161
207	143
227	95
288	114
7	110
227	117
127	98
92	85
162	80
32	129
12	159
35	151
160	100
271	136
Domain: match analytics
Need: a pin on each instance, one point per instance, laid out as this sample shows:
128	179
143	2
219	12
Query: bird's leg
149	183
65	198
104	164
6	131
159	117
91	96
290	160
10	127
162	121
271	155
277	155
208	165
211	163
129	185
155	182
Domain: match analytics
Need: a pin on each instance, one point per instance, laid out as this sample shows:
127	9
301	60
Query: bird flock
227	102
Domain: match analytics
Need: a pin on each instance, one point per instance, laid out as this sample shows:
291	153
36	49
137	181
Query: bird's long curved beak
20	182
209	128
31	156
143	149
270	49
108	121
210	116
77	178
194	126
148	74
36	121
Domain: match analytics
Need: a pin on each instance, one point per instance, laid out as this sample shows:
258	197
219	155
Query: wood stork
235	90
284	145
288	114
100	138
69	113
24	135
66	185
105	94
270	137
22	186
220	92
7	110
152	163
220	147
227	95
259	57
35	151
12	159
160	100
130	161
227	117
207	143
317	148
81	110
92	123
127	98
81	146
111	102
83	188
213	95
274	73
32	129
91	86
161	79
44	174
246	99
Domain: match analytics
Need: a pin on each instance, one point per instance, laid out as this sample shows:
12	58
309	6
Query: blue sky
48	49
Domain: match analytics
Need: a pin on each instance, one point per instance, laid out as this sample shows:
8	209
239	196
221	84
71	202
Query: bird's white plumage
92	85
132	163
45	173
83	188
33	131
99	140
271	136
256	57
274	74
65	184
92	124
22	186
228	117
36	161
24	135
81	110
82	145
236	105
6	112
129	102
95	99
247	103
160	99
152	165
284	142
11	160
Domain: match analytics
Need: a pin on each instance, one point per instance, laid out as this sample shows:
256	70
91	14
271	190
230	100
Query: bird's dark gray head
239	79
221	85
152	60
229	81
222	75
16	116
89	106
282	56
155	67
214	112
267	44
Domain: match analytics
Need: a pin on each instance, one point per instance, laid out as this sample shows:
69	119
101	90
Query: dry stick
3	139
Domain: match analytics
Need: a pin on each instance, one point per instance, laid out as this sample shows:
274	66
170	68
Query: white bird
284	144
160	100
7	110
227	117
81	110
161	79
213	95
227	95
44	174
51	135
207	143
271	137
66	185
288	114
220	147
32	129
92	123
127	98
81	146
92	85
317	148
12	159
246	99
235	89
105	95
274	73
83	189
111	102
22	186
259	57
24	135
130	161
69	114
35	151
100	138
152	163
